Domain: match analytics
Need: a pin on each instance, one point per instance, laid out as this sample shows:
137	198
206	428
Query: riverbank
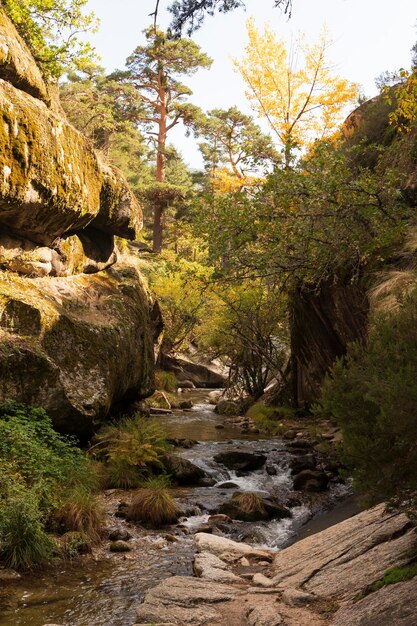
104	589
322	580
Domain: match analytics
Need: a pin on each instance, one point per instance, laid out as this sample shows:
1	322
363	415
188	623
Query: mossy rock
77	345
17	64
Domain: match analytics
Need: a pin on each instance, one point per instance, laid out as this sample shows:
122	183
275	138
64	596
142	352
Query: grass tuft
154	504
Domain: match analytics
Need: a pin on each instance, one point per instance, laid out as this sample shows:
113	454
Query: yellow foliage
223	180
300	102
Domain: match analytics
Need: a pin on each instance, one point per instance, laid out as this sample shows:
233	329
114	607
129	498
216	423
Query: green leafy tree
154	70
233	139
100	106
329	217
51	28
248	329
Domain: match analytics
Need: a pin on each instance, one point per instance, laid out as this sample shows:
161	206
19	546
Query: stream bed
104	590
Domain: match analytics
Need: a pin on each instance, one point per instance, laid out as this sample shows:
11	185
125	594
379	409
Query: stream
105	590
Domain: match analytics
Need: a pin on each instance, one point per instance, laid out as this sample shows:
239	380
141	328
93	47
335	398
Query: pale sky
370	36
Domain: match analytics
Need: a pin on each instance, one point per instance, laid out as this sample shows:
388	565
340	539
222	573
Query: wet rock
227	485
210	567
271	470
228	407
301	463
219	426
299	444
119	546
219	519
186	404
242	460
244	562
289	435
275	509
183	472
311	481
122	510
239	507
9	575
186	384
184	600
170	537
116	534
182	443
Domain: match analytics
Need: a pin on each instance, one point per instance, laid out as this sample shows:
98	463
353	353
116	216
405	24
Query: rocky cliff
325	318
77	325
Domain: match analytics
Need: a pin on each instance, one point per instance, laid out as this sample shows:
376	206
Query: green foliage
328	217
130	449
248	328
373	396
165	381
50	28
184	297
74	543
268	418
40	471
24	543
153	504
395	575
233	139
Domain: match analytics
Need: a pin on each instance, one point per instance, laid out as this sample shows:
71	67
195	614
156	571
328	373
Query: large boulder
241	460
250	507
78	345
183	472
17	65
343	559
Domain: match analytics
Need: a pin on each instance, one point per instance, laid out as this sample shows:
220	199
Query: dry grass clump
250	503
80	512
154	504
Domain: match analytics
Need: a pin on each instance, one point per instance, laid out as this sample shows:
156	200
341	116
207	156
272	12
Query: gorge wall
77	324
325	318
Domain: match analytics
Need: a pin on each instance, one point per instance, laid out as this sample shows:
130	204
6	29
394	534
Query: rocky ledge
77	324
321	580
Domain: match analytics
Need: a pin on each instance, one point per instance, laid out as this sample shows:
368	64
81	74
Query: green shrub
165	381
24	543
268	418
75	543
153	504
40	472
372	393
131	449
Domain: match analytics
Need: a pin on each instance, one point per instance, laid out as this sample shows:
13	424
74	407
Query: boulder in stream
241	460
183	472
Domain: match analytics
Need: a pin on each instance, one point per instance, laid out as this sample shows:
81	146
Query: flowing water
105	590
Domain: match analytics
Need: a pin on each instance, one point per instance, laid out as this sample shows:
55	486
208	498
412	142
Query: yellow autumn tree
296	89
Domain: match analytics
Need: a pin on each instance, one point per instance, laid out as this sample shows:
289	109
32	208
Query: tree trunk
158	216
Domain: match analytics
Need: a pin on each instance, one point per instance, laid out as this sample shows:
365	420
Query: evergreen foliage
373	396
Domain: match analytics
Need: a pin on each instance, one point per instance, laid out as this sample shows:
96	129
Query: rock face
176	601
322	325
77	327
312	583
342	560
76	345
